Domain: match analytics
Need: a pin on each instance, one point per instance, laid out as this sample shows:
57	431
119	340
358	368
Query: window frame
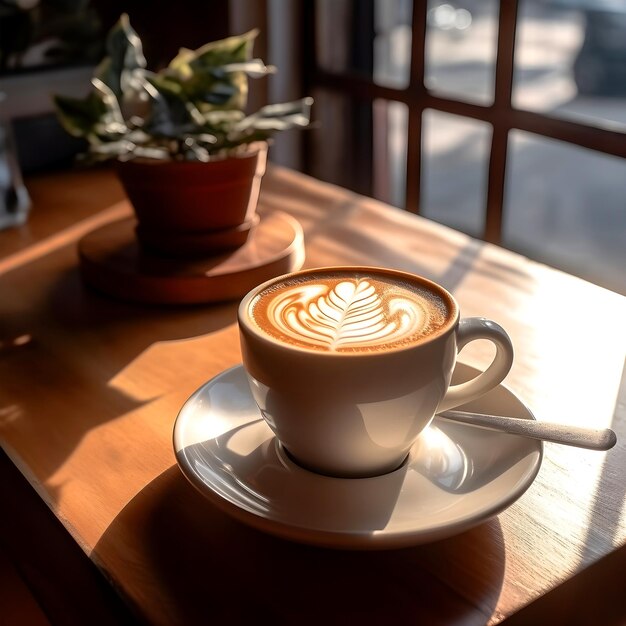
501	115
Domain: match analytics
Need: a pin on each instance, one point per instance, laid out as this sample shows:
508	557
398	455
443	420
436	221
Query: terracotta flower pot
191	208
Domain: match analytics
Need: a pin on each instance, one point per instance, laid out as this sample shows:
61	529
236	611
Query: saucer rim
349	539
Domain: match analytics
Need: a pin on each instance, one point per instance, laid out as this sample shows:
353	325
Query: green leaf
125	54
274	117
79	116
112	148
165	84
147	153
202	77
97	114
235	49
255	68
219	118
111	120
171	113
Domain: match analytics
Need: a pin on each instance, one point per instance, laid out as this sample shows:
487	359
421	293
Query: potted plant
190	159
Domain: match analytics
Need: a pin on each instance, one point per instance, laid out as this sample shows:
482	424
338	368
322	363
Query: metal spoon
590	438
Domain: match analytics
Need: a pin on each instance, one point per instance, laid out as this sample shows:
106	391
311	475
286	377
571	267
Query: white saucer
455	477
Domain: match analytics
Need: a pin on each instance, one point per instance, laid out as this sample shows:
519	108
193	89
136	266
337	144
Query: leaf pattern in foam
351	314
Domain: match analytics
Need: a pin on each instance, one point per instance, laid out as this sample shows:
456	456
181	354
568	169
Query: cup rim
446	329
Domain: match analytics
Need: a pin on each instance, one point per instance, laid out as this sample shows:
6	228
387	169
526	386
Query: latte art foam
349	313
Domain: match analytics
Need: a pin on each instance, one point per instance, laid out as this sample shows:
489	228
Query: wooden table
90	388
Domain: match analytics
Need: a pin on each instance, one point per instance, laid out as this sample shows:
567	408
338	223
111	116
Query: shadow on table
185	561
75	339
335	234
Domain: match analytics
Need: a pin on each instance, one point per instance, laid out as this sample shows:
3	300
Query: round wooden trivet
112	261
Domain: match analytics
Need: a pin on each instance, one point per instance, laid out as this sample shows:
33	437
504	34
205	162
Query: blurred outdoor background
412	103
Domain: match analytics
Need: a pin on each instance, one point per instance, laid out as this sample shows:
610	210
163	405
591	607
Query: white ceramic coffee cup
357	414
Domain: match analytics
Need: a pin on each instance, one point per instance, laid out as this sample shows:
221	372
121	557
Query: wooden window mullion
501	115
415	94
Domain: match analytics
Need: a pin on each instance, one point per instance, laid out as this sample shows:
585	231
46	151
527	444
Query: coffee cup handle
470	329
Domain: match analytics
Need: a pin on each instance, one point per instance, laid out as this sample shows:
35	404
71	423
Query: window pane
565	206
392	42
461	42
455	152
570	60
